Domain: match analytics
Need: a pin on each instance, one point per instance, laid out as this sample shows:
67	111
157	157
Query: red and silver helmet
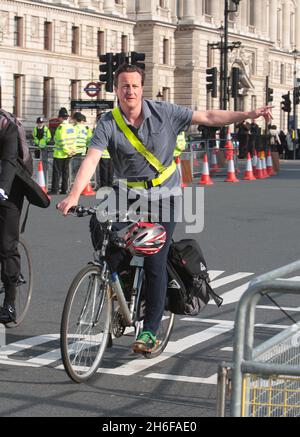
144	239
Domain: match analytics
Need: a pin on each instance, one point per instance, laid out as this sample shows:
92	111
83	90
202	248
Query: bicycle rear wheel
24	285
85	324
164	331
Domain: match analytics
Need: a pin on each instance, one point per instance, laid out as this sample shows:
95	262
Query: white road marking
213	379
231	278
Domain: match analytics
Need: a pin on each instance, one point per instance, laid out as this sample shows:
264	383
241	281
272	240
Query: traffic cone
205	178
270	169
264	166
228	147
258	171
88	191
41	178
214	168
231	177
178	164
254	160
248	175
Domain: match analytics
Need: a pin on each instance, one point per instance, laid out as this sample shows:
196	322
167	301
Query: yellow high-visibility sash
164	172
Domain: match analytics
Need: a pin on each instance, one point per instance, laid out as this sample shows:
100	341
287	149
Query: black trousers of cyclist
155	270
10	213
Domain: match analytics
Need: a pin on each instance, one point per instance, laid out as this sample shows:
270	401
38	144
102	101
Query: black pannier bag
188	280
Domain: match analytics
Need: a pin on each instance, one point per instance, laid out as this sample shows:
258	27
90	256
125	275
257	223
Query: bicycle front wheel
85	325
24	285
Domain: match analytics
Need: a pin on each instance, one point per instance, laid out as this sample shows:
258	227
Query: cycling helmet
144	239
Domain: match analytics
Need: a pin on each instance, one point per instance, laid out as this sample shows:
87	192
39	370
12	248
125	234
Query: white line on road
178	378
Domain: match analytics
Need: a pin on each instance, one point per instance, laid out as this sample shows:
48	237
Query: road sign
92	104
92	89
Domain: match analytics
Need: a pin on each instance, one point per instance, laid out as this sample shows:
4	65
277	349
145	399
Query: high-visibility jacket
105	154
81	138
64	140
89	135
180	144
41	143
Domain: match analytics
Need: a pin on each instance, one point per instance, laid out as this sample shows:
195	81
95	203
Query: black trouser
10	213
106	172
155	270
60	170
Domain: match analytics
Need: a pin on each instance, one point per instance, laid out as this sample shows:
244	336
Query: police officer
180	144
82	135
41	138
64	149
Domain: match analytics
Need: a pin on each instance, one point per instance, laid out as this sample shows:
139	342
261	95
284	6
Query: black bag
188	281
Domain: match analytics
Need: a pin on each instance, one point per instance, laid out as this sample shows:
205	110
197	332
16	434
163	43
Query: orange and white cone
259	171
205	178
254	160
228	146
41	179
178	164
88	191
214	168
231	177
264	166
248	175
270	168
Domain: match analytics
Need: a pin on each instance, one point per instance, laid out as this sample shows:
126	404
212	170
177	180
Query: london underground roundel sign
92	89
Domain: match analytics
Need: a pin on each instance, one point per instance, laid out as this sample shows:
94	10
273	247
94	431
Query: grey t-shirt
162	122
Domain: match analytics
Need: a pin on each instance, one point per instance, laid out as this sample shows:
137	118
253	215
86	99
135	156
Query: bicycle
98	307
24	285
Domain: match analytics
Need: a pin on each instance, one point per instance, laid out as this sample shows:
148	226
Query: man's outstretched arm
219	117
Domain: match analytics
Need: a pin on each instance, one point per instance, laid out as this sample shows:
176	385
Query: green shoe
146	342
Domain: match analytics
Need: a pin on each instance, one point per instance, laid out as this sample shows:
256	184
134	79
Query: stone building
49	50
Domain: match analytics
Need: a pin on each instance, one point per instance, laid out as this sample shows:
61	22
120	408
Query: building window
18	32
47	96
100	42
166	94
282	74
251	12
124	43
207	7
210	58
166	51
162	3
75	90
75	40
17	95
47	35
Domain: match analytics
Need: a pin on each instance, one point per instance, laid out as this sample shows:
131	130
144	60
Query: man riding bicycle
132	130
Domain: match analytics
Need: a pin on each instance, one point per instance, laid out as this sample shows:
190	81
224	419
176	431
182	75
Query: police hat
63	112
40	120
79	117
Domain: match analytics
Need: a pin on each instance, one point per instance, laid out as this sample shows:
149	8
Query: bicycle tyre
24	289
164	331
83	351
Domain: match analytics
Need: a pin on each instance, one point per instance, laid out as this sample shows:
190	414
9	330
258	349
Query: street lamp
227	11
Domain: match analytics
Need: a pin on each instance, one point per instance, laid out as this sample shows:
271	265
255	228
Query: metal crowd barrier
46	156
211	147
263	380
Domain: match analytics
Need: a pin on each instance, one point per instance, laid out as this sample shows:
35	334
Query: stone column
109	6
286	42
217	11
297	21
258	17
243	8
189	10
273	21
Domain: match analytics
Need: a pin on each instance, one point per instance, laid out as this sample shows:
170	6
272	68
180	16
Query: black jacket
8	155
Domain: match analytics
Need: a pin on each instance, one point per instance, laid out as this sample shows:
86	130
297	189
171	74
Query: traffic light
107	66
269	95
235	79
297	95
286	103
120	58
211	81
135	59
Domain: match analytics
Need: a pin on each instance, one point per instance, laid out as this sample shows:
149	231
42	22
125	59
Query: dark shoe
53	192
8	314
146	342
63	192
